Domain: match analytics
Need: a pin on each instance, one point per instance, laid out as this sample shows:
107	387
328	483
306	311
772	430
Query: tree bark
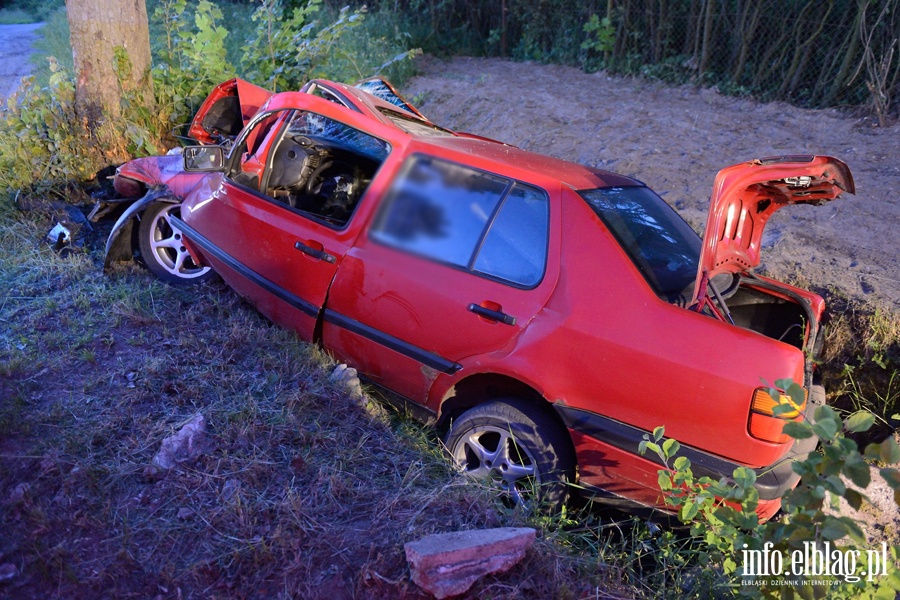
662	30
834	77
97	28
706	47
746	34
803	41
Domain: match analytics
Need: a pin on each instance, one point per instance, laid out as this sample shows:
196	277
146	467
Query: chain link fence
814	53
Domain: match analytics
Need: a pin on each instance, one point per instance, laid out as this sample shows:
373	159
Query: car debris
59	236
70	227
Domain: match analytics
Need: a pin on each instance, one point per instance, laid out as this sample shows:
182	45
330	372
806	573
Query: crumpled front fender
118	244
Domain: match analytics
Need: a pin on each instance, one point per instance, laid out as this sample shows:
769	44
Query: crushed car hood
746	195
227	109
153	171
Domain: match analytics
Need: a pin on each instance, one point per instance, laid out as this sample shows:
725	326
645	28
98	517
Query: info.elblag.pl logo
815	560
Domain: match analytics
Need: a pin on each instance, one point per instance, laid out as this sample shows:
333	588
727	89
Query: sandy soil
14	52
675	139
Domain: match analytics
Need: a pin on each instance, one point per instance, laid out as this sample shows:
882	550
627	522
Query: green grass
861	363
27	11
15	16
301	487
54	42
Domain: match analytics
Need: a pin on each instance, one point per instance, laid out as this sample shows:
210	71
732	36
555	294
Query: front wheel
163	249
517	447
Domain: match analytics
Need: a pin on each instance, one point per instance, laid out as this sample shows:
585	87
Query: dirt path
14	52
675	139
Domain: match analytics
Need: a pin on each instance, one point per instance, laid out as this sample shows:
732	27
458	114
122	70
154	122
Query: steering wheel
329	170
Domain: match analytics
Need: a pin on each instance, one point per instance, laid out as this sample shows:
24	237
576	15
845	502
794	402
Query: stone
349	377
8	571
189	443
229	490
19	493
447	564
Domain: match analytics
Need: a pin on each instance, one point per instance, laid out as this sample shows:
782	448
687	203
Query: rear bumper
772	481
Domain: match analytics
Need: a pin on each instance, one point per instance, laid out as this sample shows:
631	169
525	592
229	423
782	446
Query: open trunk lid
746	195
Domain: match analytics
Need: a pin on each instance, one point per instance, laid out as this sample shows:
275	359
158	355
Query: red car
545	314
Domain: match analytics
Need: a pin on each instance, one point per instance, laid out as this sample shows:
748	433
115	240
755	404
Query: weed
14	16
726	529
860	364
883	402
600	39
53	42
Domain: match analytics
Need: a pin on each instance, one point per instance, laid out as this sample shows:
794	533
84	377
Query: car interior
314	165
318	176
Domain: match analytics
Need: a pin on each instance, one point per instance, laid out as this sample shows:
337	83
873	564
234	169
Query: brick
447	564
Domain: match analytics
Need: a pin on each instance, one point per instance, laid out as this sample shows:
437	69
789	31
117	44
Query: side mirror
204	158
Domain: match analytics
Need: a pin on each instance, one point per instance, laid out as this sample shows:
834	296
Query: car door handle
315	253
493	315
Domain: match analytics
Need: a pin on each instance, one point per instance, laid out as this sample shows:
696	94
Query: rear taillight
764	424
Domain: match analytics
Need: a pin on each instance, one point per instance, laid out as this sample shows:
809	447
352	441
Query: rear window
660	243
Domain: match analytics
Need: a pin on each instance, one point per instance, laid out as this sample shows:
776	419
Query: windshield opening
660	243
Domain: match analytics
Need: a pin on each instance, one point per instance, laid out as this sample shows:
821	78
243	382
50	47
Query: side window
439	210
467	218
515	247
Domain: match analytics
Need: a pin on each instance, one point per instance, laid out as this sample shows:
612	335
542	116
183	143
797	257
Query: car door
455	264
278	225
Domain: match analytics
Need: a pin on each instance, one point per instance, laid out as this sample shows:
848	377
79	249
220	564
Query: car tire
519	447
162	247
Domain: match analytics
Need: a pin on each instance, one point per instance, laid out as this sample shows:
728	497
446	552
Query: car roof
497	156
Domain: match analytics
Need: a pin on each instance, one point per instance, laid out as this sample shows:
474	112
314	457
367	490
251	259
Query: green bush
41	141
291	47
189	46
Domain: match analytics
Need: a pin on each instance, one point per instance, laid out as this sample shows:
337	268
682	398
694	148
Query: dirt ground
14	52
675	139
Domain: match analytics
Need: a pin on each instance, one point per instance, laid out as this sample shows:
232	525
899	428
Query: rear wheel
517	447
163	249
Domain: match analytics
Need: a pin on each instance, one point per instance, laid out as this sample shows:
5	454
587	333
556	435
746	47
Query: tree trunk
706	47
97	28
608	52
662	30
690	28
848	54
803	41
747	34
